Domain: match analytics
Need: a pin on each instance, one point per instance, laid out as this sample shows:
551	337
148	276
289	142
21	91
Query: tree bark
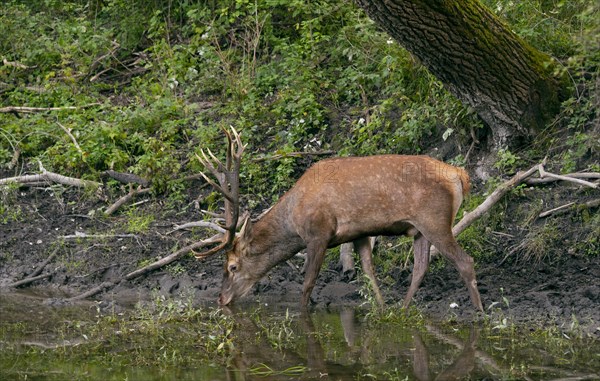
510	84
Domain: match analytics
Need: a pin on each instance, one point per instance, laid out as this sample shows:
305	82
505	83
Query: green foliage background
153	81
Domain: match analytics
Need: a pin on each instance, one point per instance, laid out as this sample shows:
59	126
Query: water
43	339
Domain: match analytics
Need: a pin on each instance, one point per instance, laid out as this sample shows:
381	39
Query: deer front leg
314	259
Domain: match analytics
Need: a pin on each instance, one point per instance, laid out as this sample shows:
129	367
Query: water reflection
462	366
343	348
39	336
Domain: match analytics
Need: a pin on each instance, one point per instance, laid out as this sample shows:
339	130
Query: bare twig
551	211
121	201
570	206
579	175
68	132
544	174
25	109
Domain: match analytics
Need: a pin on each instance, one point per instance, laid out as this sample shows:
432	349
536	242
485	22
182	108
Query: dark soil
544	293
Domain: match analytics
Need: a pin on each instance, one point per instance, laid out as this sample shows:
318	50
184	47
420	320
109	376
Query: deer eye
232	268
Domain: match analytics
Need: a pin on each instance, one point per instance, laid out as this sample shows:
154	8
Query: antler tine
228	184
219	187
210	252
238	142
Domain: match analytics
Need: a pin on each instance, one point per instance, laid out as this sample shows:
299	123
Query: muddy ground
559	293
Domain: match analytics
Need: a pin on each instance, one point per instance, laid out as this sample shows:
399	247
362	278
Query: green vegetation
140	86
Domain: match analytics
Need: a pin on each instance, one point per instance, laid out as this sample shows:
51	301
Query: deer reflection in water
365	352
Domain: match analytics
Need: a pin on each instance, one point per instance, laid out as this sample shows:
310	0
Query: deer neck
274	237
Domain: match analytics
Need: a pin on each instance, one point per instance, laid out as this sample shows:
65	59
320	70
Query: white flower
453	305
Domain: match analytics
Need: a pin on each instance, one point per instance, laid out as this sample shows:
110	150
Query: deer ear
246	230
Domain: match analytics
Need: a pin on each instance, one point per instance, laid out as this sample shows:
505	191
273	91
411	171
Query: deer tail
465	182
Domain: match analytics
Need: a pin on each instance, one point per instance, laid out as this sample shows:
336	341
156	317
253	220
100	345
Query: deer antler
228	177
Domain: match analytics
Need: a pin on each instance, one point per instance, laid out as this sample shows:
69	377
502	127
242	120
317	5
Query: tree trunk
510	85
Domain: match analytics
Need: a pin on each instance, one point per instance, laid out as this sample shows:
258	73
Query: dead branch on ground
570	206
16	64
79	235
524	177
48	177
544	174
125	199
126	178
577	175
29	280
31	110
146	269
492	199
35	275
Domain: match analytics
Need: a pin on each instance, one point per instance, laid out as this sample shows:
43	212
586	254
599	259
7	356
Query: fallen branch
544	174
96	236
16	64
546	180
46	177
126	178
123	200
551	211
28	280
30	110
153	266
38	270
492	199
570	206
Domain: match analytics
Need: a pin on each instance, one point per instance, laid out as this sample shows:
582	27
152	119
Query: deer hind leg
347	261
314	259
364	249
421	264
462	261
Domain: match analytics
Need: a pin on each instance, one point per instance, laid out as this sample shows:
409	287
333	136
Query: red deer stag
343	200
